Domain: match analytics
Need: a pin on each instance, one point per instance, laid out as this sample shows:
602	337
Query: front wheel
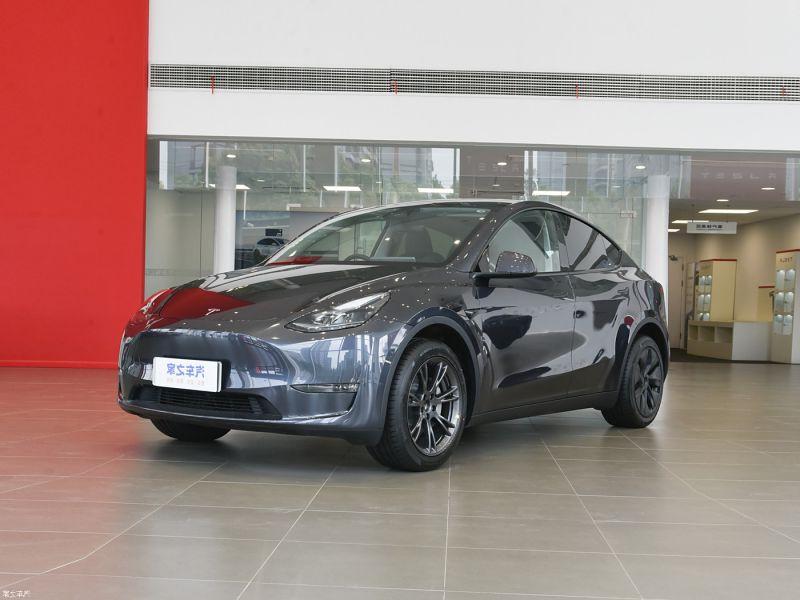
426	411
641	386
186	432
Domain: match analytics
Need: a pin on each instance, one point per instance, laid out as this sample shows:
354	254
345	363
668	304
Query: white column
656	222
225	220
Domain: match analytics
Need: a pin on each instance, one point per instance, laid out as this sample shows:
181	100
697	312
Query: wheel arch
448	327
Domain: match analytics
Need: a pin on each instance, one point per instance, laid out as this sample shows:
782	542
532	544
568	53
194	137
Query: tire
423	445
639	394
186	432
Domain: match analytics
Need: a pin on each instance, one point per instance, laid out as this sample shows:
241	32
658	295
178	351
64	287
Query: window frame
559	240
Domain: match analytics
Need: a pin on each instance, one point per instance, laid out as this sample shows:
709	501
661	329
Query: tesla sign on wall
712	227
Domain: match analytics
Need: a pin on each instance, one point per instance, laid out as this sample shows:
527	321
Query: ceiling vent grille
492	83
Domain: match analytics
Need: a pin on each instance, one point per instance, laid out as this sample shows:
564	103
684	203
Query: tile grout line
597	527
722	504
446	530
115	537
286	535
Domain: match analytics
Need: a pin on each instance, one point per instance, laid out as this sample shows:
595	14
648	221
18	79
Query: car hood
272	293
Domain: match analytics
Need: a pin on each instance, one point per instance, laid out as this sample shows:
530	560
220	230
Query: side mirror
509	265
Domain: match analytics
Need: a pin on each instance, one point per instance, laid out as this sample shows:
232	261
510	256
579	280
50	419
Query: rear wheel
426	410
187	432
641	386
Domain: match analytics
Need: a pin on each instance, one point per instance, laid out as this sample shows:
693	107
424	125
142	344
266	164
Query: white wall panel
736	37
620	36
482	119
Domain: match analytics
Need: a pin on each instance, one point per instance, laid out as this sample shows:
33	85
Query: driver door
527	323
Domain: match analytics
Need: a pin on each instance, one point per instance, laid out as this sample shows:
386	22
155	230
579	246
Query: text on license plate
187	374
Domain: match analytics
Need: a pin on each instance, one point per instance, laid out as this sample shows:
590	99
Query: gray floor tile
201	521
661	510
76	517
525	572
154	469
34	552
737	472
524	534
247	495
179	558
46	465
392	500
732	457
101	489
543	477
519	505
489	596
355	565
646	487
748	490
611	468
370	528
601	453
278	591
693	578
698	540
776	513
83	587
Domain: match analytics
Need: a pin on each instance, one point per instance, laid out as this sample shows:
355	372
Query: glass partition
283	188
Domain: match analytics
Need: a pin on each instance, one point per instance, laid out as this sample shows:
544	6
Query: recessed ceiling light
550	193
767	189
502	163
641	167
241	186
341	188
684	221
729	211
230	155
366	160
722	200
260	180
424	190
670	230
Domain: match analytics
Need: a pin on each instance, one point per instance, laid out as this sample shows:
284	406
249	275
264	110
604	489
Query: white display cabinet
785	339
714	289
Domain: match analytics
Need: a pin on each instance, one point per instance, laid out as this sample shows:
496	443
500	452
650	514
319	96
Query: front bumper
258	376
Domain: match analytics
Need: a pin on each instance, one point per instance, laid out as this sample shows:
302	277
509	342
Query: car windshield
422	234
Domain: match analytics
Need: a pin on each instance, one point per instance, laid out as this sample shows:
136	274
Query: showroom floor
95	503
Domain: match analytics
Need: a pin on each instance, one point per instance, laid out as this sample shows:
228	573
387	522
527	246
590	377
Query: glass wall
282	189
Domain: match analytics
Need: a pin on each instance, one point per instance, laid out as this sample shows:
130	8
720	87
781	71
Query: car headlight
349	314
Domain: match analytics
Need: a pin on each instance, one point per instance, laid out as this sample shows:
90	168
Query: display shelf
785	338
714	289
729	340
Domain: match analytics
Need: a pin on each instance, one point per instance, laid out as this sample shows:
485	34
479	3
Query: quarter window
587	248
532	233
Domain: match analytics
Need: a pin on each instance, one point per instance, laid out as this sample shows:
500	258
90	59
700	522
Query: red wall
73	103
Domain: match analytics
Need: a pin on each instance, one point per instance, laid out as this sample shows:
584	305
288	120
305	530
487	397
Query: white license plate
186	374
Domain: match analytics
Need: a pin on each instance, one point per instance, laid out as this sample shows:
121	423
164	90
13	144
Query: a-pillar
656	223
225	219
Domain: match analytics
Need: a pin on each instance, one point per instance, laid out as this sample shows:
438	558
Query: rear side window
587	248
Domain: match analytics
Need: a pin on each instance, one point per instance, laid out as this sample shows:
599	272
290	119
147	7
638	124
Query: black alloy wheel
641	386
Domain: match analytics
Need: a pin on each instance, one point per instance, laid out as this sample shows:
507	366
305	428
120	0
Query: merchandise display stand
714	289
713	332
785	342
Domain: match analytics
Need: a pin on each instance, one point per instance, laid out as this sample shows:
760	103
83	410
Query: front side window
428	235
587	248
532	233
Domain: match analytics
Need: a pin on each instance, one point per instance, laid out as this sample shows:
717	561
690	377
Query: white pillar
656	223
225	220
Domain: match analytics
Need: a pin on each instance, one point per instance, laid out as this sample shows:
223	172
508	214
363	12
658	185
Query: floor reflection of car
396	327
266	247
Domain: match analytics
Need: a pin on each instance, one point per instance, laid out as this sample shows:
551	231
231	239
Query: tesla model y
397	327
